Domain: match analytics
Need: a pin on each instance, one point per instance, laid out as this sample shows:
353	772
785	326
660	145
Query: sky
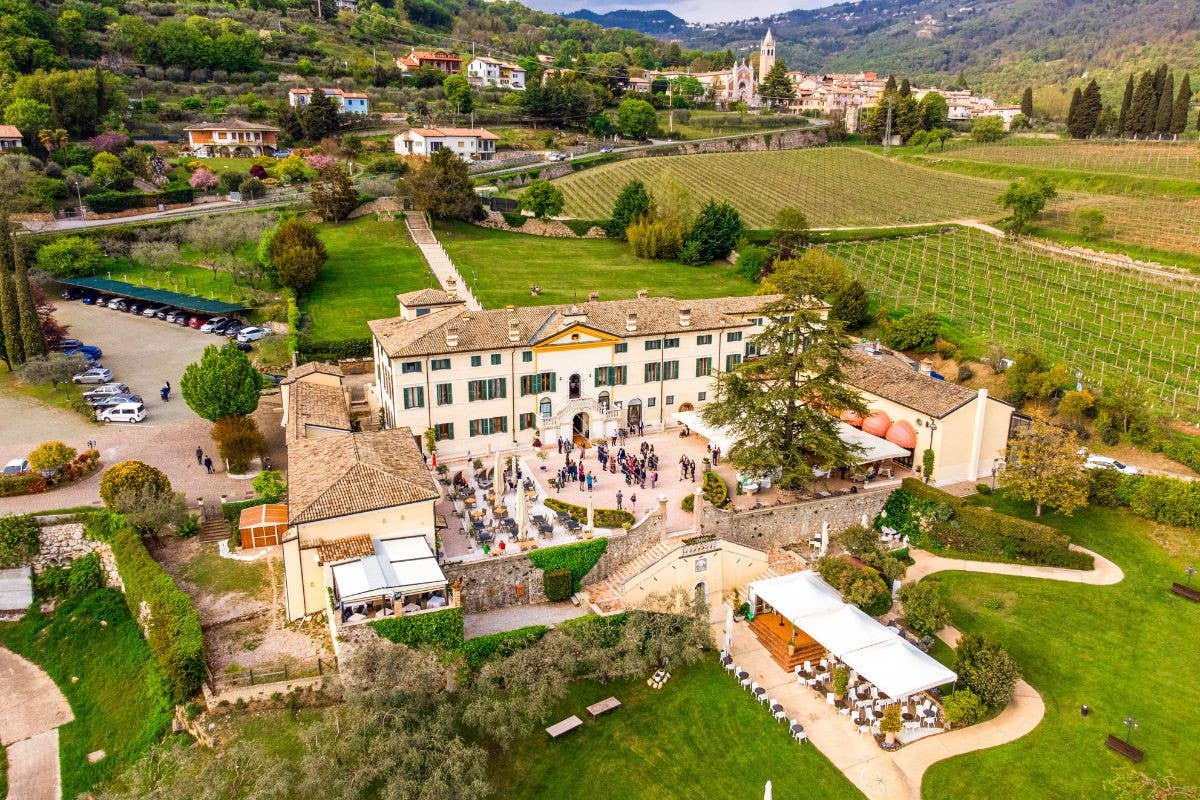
691	10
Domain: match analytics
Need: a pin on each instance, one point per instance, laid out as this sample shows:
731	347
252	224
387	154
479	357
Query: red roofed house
233	138
469	144
442	60
348	102
10	137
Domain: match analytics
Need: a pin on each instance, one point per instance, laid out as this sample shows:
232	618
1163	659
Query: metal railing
314	668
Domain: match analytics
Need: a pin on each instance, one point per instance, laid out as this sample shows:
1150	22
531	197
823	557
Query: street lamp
1190	572
1131	725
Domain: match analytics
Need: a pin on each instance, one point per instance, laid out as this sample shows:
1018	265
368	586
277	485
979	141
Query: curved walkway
1106	572
31	710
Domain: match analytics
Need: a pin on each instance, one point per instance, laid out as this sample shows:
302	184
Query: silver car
96	374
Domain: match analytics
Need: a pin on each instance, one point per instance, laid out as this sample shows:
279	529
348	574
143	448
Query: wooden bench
566	726
1123	747
1186	591
604	706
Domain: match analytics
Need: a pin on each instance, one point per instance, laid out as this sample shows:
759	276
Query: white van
123	412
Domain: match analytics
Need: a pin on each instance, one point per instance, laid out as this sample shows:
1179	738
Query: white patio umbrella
824	537
590	514
767	792
498	473
521	514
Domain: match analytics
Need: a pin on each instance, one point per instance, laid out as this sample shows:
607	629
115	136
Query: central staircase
605	596
774	636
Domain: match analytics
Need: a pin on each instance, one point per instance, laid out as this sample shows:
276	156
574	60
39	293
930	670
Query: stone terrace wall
780	525
491	583
59	545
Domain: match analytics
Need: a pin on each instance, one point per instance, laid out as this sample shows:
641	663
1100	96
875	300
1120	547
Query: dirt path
1106	572
31	710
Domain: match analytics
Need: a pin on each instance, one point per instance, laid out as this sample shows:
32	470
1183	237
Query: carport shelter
263	525
187	302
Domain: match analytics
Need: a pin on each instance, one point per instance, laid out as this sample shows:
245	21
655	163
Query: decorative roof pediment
577	335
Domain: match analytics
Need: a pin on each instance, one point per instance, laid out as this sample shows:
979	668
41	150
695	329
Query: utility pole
671	106
320	15
887	136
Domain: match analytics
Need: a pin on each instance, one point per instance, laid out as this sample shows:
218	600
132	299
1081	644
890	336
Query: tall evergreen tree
33	341
1086	107
1126	102
1143	107
905	88
1160	80
10	317
320	118
776	87
1182	102
1166	105
1027	102
1073	109
890	86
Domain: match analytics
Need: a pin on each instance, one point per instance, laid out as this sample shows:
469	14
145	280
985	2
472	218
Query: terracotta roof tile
230	125
334	550
296	373
9	132
906	386
429	297
316	404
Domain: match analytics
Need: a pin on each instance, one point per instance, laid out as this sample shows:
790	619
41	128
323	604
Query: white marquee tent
876	652
872	449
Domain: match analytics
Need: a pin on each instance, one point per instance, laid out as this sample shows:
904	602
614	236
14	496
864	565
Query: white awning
875	651
873	448
398	567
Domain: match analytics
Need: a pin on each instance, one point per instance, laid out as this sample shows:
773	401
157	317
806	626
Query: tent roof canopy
876	652
398	566
187	302
873	448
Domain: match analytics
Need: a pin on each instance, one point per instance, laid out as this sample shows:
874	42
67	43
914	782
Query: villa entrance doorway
579	428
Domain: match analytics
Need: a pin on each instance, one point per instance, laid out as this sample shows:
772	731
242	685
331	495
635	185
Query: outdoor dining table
484	537
877	714
907	717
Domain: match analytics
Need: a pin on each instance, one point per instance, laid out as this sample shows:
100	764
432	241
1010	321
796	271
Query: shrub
861	586
16	485
578	558
19	536
85	576
580	227
716	492
131	477
51	456
557	583
500	645
859	541
891	719
924	610
985	668
443	629
841	681
917	332
269	485
515	219
602	517
70	256
189	527
238	442
655	238
963	708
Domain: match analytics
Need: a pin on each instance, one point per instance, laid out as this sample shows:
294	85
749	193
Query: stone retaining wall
493	582
781	525
59	545
538	227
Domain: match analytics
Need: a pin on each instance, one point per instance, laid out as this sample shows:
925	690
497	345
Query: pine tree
1073	110
320	118
1166	105
1126	102
1144	106
776	87
1027	103
1182	101
1085	111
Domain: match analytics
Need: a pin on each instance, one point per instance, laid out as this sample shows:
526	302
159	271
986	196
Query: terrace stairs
605	596
438	259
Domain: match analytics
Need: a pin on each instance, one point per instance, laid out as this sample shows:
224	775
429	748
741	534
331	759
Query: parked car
71	293
1104	462
606	150
558	157
197	322
135	307
252	334
214	323
125	412
18	466
88	351
88	299
96	374
233	330
223	328
245	347
282	153
67	345
168	313
152	310
106	390
116	400
117	304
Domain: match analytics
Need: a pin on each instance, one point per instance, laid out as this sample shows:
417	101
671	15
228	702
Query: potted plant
841	682
792	643
890	724
746	611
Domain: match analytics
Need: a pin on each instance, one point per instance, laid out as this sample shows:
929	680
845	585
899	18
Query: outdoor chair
801	736
746	682
808	667
780	715
830	699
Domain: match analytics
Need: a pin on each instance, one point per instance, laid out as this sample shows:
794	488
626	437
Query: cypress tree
905	88
1143	107
1126	102
1166	104
890	86
33	341
1027	103
1160	80
1089	109
1073	110
9	312
1182	101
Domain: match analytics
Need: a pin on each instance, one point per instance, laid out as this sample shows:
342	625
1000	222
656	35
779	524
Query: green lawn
211	573
190	276
503	265
120	702
1128	649
700	736
370	262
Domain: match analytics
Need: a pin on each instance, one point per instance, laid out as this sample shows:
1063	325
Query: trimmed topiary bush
557	583
132	477
577	558
443	629
500	645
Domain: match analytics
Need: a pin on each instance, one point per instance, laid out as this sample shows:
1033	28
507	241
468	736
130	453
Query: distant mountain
653	23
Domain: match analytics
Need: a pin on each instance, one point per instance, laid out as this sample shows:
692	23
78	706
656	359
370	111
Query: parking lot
142	353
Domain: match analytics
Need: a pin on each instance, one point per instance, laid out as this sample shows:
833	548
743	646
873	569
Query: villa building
359	512
347	102
232	138
469	144
10	137
441	60
482	71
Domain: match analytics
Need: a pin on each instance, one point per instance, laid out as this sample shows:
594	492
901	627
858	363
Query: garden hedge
716	492
1170	501
19	540
602	517
557	584
169	620
514	219
578	558
16	485
442	629
109	202
334	349
482	648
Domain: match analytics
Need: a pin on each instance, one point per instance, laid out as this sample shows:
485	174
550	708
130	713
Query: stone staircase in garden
605	597
213	529
438	259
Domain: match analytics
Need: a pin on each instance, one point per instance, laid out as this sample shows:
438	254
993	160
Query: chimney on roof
631	322
573	316
451	336
685	317
451	285
514	330
642	294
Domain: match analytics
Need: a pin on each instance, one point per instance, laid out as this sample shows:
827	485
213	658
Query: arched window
604	400
544	407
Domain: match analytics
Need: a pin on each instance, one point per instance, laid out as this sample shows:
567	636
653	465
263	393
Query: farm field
1160	223
1124	650
502	266
834	186
1169	160
1097	319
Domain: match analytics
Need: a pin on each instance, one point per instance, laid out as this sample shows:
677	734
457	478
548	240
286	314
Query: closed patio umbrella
591	526
824	538
521	515
497	473
767	793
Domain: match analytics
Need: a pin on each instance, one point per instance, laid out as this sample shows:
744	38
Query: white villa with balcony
469	144
484	71
486	380
234	138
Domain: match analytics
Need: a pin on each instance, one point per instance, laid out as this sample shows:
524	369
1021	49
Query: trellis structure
1172	160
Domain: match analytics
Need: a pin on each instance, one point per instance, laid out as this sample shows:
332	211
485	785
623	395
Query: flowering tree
202	179
318	161
110	142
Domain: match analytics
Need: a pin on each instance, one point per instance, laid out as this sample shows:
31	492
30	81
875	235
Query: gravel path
513	617
31	709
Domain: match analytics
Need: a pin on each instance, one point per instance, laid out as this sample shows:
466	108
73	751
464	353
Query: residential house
469	144
441	60
360	534
483	71
10	137
347	102
232	138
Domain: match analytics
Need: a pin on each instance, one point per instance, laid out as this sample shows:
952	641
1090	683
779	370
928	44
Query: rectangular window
423	311
443	431
439	364
670	370
414	397
489	389
669	343
487	426
408	367
444	393
733	336
654	344
732	361
476	361
527	356
670	400
536	384
703	367
611	376
756	320
496	357
527	421
621	347
650	401
653	372
703	339
702	396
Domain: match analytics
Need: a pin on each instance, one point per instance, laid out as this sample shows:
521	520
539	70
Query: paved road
31	709
191	212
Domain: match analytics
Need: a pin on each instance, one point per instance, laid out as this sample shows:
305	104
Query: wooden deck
774	632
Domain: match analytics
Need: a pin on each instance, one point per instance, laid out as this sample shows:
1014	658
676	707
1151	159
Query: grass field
504	265
1098	320
700	736
370	262
1167	224
1168	160
119	702
1127	649
834	186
